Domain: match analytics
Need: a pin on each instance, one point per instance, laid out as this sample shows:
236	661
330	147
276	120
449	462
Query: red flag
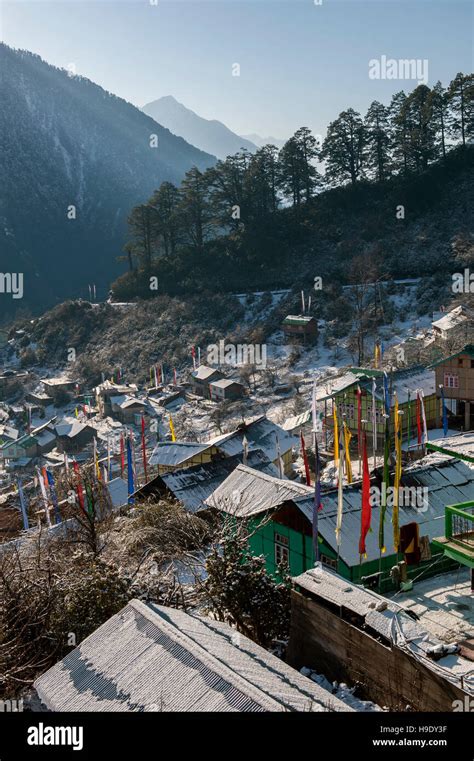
418	417
144	450
79	491
366	514
305	460
122	454
359	418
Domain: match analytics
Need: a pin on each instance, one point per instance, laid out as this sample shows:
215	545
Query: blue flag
386	394
445	413
24	511
54	497
317	500
131	488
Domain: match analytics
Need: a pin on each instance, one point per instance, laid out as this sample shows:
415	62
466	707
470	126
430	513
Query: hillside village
252	442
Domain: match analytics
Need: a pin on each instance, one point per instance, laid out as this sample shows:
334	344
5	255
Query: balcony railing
459	525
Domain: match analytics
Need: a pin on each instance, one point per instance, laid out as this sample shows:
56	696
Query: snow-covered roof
192	486
124	401
69	427
204	372
460	445
225	383
249	492
260	433
298	319
174	453
151	658
390	620
454	317
297	421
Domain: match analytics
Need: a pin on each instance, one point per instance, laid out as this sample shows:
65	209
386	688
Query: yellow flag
377	355
347	441
173	436
398	475
336	434
76	412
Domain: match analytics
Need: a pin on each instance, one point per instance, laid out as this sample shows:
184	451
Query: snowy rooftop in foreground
152	658
391	621
444	604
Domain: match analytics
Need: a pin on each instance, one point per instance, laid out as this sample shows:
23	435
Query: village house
191	486
455	375
191	663
300	328
127	409
106	390
73	435
39	398
225	389
280	516
457	319
343	392
202	377
168	456
52	385
23	448
261	433
354	635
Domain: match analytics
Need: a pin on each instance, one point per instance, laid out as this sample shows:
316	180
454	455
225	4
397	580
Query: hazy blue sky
301	63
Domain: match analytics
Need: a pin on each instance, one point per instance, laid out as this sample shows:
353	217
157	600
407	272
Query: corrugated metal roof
118	491
204	372
393	622
461	445
249	492
151	658
175	453
192	486
449	481
296	421
260	433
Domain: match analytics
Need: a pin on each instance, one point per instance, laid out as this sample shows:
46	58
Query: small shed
225	388
300	327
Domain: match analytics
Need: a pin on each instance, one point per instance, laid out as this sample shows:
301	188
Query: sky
301	61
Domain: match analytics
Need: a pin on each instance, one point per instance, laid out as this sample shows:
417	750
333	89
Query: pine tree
461	108
343	148
418	116
194	208
439	108
378	141
399	132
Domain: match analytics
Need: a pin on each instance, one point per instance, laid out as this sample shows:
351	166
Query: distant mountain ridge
75	160
260	141
208	135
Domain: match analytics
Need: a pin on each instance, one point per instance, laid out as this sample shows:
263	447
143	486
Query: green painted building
279	514
343	392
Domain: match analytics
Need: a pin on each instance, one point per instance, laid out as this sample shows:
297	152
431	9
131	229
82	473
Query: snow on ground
341	691
444	603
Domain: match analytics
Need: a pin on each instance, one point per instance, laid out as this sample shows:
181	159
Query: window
460	362
451	380
282	553
346	410
329	562
472	364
